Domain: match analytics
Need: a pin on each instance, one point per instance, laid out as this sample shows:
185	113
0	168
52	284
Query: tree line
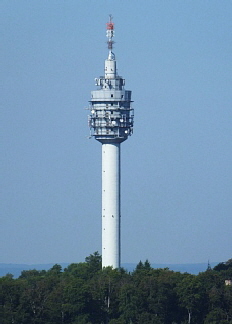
83	293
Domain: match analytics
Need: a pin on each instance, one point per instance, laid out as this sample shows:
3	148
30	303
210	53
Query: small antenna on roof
110	35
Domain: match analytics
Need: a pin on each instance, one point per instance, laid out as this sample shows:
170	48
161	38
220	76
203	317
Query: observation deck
111	115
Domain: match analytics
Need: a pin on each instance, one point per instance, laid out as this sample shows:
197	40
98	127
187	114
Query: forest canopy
83	293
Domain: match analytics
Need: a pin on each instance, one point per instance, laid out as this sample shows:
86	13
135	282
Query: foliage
84	293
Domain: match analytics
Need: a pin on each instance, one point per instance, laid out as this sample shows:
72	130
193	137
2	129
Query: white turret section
110	69
111	122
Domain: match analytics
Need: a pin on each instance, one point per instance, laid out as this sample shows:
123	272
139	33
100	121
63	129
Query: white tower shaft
111	205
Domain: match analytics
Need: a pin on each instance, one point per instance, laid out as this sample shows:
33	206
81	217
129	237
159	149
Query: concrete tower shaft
111	214
110	122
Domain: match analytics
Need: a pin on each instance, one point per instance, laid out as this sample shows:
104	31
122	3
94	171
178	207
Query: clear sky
176	57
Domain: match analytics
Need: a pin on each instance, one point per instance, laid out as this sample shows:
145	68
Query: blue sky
176	168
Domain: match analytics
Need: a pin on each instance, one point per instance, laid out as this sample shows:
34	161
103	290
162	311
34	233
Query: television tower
111	122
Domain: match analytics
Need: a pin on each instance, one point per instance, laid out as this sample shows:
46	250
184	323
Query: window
112	95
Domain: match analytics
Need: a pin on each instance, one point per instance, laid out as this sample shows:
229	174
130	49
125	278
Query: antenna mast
110	35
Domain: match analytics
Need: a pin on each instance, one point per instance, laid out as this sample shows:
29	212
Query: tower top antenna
110	35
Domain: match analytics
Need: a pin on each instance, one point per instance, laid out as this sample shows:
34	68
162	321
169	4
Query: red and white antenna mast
110	35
